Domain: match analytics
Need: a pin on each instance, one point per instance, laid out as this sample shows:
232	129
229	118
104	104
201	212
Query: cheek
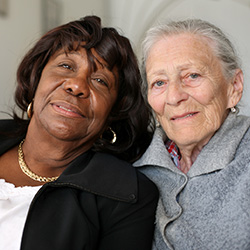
215	106
218	99
210	96
102	107
216	112
157	103
46	87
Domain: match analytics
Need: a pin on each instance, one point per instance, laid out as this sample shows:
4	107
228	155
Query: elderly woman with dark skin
65	178
199	156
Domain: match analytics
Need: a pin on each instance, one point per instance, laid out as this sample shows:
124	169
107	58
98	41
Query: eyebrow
158	72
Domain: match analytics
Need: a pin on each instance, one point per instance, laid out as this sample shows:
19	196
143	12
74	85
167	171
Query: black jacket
98	202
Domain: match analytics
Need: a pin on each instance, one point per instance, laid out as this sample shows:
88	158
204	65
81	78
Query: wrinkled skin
188	91
71	104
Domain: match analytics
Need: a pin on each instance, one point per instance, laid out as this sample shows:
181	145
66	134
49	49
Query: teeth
65	109
188	115
184	116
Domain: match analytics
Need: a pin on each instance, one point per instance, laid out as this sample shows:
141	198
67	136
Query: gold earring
114	136
29	109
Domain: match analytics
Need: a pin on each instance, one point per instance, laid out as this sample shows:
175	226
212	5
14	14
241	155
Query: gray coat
209	208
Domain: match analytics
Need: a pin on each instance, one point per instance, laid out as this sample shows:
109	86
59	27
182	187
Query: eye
192	79
101	81
66	66
158	83
194	75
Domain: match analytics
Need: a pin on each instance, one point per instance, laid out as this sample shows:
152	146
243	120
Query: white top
14	206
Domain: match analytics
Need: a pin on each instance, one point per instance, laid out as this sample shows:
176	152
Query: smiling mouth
67	111
183	116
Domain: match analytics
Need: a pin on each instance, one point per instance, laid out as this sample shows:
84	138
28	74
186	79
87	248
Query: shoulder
8	137
11	129
147	188
241	130
127	177
106	175
8	124
243	147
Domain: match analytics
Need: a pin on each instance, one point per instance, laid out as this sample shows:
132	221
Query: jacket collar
102	174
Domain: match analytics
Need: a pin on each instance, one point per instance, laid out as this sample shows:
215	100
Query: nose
175	93
77	86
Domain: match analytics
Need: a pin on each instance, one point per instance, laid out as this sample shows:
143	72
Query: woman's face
187	88
72	103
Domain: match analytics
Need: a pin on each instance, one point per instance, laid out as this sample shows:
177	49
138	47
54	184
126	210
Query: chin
186	139
63	132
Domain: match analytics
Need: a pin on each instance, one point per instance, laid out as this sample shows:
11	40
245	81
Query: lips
67	109
183	116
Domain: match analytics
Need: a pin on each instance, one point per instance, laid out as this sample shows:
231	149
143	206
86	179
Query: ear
236	89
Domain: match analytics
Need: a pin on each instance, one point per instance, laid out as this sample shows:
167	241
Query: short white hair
222	46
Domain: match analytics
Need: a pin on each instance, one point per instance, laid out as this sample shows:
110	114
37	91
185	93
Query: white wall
17	31
75	9
23	25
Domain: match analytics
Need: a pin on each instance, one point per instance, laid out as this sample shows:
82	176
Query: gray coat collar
226	140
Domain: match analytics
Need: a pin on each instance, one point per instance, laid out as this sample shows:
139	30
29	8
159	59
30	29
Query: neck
189	154
187	159
49	156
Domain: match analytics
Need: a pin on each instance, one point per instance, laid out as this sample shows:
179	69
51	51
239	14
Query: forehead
181	48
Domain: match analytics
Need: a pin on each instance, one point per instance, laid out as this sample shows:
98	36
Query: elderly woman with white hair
200	154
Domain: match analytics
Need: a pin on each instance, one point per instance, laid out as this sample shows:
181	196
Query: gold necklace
26	169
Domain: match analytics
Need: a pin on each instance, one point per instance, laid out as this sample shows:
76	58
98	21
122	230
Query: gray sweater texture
209	207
